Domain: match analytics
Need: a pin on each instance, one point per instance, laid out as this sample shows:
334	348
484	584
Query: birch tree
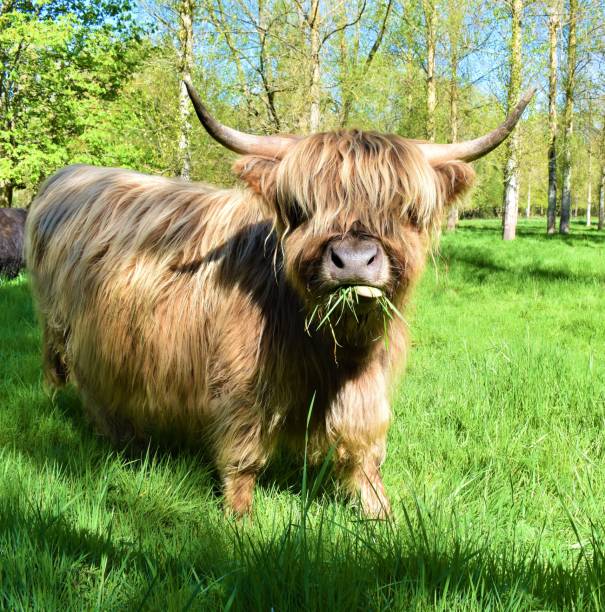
462	36
321	24
312	19
356	66
283	46
511	171
589	188
601	222
254	32
429	8
554	24
186	9
570	78
454	35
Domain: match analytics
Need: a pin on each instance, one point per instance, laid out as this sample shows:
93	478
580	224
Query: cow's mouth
355	294
355	299
367	292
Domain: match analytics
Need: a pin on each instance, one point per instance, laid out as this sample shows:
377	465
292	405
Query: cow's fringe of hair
371	178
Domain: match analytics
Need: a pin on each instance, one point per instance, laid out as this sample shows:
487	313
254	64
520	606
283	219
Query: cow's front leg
363	482
238	491
240	455
357	422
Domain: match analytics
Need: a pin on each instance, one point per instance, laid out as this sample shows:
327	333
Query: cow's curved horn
240	142
470	150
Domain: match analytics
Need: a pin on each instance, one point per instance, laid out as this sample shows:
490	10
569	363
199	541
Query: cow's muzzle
356	261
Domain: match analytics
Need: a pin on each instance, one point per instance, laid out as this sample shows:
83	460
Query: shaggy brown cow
12	225
200	314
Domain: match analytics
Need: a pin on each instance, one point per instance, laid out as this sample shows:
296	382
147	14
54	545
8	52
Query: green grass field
496	467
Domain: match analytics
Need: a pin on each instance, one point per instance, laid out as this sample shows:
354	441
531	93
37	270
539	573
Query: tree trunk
589	195
315	85
265	68
186	10
528	207
430	16
511	171
511	198
348	67
452	217
568	117
601	224
221	25
601	221
551	216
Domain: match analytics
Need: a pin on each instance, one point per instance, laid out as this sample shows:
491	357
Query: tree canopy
98	82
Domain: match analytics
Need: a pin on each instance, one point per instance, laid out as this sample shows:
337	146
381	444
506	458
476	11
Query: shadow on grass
483	263
579	235
480	260
313	564
75	448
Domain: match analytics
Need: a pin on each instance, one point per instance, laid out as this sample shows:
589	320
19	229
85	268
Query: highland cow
12	225
186	312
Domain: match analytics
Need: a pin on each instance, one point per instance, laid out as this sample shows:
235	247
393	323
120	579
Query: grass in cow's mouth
347	299
332	310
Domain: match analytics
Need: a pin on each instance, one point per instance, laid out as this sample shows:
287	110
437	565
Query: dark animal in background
12	227
193	313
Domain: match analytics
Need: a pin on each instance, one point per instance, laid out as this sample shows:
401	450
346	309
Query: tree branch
380	35
346	25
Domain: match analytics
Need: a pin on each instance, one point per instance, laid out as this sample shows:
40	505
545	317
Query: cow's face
354	212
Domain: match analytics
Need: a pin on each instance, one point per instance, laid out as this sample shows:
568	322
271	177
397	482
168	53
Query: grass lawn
496	467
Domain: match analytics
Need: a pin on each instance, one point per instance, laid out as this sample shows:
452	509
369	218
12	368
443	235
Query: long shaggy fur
12	224
179	309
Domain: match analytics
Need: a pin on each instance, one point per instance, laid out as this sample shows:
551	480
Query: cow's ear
455	178
259	173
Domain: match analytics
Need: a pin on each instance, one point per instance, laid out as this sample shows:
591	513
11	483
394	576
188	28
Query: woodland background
100	82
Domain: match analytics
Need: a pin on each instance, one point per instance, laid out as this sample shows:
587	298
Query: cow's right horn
240	142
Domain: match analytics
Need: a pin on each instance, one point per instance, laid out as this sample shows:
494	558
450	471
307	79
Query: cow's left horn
470	150
240	142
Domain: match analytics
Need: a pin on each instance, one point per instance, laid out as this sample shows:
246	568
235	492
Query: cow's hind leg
118	429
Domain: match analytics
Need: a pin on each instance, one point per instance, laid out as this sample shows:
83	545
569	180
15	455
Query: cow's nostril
371	260
336	260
